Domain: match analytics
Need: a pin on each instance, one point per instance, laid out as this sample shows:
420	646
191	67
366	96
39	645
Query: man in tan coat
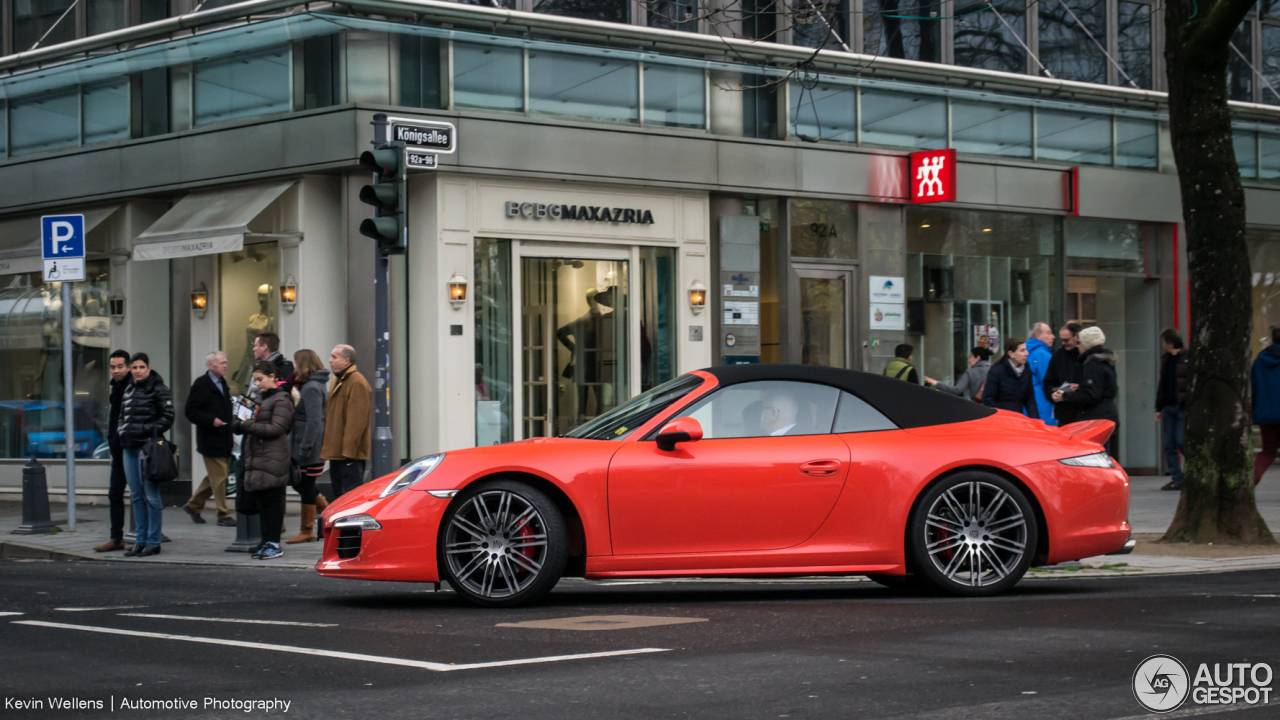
346	422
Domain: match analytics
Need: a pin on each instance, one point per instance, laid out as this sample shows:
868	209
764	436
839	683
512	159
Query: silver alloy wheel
975	534
496	544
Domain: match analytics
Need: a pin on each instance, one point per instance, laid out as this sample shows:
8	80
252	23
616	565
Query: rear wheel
503	544
973	533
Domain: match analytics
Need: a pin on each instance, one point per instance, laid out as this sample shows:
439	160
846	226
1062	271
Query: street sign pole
68	409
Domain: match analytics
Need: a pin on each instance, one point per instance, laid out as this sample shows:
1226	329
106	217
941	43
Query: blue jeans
146	499
1173	421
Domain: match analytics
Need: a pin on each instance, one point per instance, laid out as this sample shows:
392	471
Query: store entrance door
826	314
576	331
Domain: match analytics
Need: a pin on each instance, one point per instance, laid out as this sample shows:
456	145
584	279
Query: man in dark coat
118	364
209	409
1171	403
1064	368
266	347
1095	394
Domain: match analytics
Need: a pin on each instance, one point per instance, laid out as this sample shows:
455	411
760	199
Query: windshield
618	423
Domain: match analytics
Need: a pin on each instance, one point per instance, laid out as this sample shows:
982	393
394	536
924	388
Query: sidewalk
1151	510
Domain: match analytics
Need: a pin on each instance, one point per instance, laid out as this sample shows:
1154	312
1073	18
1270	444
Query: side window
768	407
855	415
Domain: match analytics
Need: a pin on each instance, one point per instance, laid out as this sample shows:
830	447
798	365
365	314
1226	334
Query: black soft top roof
908	405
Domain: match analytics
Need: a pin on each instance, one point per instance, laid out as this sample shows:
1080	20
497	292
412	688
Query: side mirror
684	429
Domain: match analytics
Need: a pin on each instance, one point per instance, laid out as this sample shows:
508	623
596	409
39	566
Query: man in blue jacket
1264	381
1039	354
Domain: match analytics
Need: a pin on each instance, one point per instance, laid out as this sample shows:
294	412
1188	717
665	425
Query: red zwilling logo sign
933	176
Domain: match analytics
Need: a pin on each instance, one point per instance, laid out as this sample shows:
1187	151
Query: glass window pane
419	71
1239	75
494	353
759	107
824	229
152	10
673	14
759	19
31	365
1105	245
488	77
991	129
904	120
241	86
1246	152
1065	47
1264	262
675	96
824	112
1270	156
582	86
33	18
320	72
982	41
1137	143
155	102
658	320
46	122
508	4
1133	37
887	31
813	23
1270	63
104	16
106	112
1073	138
249	297
824	321
765	408
855	415
606	10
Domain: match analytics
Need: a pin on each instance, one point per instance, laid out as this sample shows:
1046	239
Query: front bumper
403	550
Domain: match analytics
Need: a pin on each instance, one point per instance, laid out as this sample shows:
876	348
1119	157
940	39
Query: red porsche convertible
746	471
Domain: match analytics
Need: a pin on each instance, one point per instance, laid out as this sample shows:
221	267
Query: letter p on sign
62	236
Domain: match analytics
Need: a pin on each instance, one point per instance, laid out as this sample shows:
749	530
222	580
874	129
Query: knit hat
1091	337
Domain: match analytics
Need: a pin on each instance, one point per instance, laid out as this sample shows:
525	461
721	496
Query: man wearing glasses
778	414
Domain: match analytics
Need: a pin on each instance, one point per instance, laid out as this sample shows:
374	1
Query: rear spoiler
1095	431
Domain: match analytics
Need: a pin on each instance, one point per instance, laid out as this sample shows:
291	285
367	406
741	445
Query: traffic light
389	197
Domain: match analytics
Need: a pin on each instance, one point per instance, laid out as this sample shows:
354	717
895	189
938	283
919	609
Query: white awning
20	238
207	222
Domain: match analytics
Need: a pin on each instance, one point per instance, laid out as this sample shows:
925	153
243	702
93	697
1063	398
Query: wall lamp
289	293
200	300
697	297
115	302
457	291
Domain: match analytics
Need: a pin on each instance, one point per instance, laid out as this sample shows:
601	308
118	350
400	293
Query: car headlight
412	473
1096	460
364	522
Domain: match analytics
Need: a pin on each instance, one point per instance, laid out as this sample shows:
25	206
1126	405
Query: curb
11	550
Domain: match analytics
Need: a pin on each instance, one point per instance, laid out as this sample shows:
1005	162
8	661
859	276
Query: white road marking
422	664
228	620
6	614
113	607
1194	711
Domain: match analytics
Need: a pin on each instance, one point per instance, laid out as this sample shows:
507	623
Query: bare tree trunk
1217	503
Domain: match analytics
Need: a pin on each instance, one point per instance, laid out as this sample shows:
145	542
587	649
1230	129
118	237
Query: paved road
1063	648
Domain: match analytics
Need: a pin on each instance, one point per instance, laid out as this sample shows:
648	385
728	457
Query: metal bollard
35	501
248	534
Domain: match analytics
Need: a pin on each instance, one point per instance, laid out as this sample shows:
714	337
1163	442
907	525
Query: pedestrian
346	422
1264	382
1171	403
209	409
1039	355
266	347
310	395
1095	395
973	378
118	365
1064	369
1008	385
264	455
146	412
900	367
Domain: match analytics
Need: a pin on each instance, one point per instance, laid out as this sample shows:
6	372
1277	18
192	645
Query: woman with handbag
310	394
146	412
264	457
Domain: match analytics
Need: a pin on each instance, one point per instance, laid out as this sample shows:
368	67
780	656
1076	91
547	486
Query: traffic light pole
383	447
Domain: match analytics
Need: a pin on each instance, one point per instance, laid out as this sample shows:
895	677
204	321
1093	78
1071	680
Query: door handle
820	468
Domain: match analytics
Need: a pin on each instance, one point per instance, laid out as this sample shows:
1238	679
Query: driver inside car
778	414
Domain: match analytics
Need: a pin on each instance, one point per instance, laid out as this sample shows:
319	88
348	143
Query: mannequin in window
582	337
259	322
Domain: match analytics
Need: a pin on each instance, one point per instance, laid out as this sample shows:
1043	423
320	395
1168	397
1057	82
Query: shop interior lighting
457	291
289	293
199	300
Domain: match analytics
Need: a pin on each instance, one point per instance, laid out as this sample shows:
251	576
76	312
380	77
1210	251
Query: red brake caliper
525	532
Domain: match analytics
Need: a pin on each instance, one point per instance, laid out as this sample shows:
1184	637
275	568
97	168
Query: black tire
488	564
961	551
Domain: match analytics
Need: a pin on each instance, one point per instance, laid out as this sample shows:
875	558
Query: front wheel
503	544
973	533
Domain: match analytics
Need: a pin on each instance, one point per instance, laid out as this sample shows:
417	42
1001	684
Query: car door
764	476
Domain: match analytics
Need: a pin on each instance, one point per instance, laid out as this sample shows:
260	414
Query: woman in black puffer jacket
264	457
1094	396
146	411
1009	385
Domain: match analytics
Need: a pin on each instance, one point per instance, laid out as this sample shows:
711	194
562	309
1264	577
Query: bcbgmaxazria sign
590	213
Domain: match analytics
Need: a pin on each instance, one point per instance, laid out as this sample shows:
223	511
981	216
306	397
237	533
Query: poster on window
987	336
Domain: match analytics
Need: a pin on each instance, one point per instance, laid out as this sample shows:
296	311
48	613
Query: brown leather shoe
110	545
308	531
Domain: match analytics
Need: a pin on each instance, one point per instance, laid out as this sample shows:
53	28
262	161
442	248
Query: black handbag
159	460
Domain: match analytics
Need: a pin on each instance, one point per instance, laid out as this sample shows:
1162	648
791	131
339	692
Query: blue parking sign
62	236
